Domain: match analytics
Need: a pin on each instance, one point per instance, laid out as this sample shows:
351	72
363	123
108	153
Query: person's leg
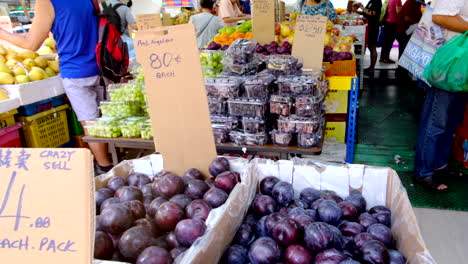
432	125
389	38
84	96
455	113
373	56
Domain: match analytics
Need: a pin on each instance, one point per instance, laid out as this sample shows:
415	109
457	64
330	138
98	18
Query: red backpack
111	51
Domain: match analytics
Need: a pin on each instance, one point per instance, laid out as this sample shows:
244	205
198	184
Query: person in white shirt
442	111
206	24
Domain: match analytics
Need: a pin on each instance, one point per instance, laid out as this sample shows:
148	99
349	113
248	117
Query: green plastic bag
448	69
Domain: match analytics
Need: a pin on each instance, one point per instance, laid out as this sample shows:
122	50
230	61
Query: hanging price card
46	206
148	21
166	20
309	39
177	97
263	20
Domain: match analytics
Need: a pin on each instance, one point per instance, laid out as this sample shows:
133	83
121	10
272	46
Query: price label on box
46	206
309	39
177	97
263	20
148	21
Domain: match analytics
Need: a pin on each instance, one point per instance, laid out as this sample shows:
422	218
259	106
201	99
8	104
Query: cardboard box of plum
306	212
303	212
144	213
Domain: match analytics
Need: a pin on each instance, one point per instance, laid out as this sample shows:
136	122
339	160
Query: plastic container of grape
223	87
258	86
222	222
379	186
248	139
121	109
247	107
217	105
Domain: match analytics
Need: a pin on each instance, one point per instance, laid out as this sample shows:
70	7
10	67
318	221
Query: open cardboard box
222	223
380	186
33	92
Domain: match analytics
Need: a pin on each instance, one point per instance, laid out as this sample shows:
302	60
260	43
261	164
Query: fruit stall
187	204
259	99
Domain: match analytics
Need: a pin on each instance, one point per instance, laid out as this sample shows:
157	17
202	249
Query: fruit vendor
318	7
230	12
75	28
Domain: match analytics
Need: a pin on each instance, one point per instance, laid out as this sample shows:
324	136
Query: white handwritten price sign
263	20
148	21
177	97
309	39
46	206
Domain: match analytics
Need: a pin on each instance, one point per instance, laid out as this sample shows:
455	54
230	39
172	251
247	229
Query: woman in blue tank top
75	29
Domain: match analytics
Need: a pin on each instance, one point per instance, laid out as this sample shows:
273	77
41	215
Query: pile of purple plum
329	55
146	221
274	48
318	227
216	46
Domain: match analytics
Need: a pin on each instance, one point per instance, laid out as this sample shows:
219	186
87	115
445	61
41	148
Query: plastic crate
7	119
41	106
74	125
10	137
48	129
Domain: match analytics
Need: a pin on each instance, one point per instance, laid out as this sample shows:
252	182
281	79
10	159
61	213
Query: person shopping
372	13
75	28
206	24
410	14
230	12
389	30
318	7
127	22
442	110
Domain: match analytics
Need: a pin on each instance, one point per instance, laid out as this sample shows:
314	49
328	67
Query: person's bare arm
235	19
453	23
40	28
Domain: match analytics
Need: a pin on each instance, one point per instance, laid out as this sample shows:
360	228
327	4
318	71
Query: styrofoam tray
9	104
33	92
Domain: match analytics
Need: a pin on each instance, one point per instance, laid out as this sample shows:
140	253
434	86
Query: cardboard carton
380	186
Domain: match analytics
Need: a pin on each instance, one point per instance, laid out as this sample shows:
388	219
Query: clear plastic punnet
309	140
253	125
121	109
247	107
241	51
283	64
121	92
297	85
217	105
258	86
130	127
221	135
280	105
146	130
227	122
293	124
223	87
308	106
248	139
281	138
107	127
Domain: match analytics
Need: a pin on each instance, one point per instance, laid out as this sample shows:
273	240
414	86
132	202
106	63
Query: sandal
431	184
